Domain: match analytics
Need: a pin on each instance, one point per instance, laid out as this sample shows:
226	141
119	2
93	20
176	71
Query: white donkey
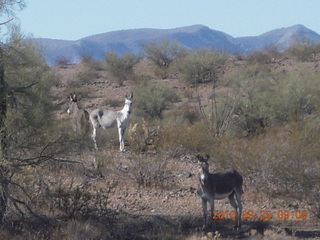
80	117
109	119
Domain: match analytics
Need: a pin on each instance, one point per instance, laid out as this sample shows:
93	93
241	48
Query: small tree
153	99
200	66
121	66
162	54
263	56
303	50
25	119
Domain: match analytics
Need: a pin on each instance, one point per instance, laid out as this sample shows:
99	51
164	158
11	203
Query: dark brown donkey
80	117
215	186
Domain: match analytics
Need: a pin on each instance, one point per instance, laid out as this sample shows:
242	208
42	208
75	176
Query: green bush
63	61
263	56
273	98
121	67
282	162
200	66
302	50
178	136
162	54
29	133
152	99
150	172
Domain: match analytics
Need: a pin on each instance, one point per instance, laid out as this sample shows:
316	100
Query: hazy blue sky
75	19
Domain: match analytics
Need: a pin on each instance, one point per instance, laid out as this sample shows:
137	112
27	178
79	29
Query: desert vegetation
257	113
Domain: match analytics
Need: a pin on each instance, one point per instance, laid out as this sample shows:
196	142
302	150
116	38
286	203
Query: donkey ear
129	96
200	158
203	158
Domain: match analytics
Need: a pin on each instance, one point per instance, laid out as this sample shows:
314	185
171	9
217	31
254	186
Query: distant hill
280	37
191	37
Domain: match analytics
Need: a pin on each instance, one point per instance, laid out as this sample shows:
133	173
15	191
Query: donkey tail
239	180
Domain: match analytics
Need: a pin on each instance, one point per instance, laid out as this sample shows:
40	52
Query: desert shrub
263	56
162	54
178	137
274	98
283	162
114	103
200	66
150	172
90	71
87	75
29	113
216	108
80	202
139	135
152	99
184	112
303	50
121	67
302	94
89	61
81	91
82	230
63	61
30	132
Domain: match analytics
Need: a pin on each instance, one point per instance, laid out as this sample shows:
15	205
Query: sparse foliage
63	61
200	66
121	66
303	50
263	56
8	7
25	120
270	99
162	54
154	99
150	172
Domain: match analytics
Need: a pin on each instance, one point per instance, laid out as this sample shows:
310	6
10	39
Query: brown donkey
215	186
80	117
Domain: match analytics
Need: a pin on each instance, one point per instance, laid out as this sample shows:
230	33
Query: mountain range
191	37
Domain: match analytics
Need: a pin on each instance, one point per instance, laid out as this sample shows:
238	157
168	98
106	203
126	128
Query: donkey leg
238	198
235	206
121	140
214	224
204	210
93	136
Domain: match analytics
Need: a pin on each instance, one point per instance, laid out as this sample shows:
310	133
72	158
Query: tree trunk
3	198
3	107
4	183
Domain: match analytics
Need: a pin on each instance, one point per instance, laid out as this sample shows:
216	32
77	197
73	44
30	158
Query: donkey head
128	102
203	167
73	100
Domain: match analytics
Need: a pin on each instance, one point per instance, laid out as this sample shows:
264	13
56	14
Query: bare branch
15	201
20	89
6	21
